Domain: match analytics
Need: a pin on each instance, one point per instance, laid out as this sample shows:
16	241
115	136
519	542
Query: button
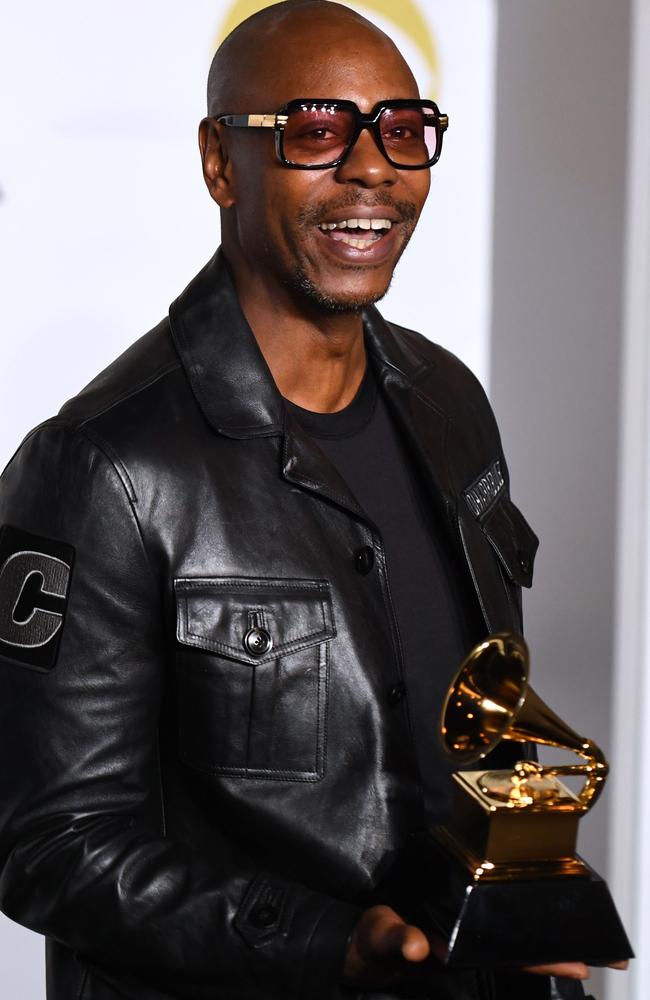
524	563
257	642
364	559
263	916
396	693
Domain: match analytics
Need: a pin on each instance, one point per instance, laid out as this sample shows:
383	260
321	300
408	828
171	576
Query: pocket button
524	562
257	642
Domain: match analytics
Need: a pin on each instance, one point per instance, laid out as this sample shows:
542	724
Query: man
239	570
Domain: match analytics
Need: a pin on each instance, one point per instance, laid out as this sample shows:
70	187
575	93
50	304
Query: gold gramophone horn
490	700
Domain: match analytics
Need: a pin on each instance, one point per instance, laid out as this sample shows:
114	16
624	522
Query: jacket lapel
305	465
423	422
226	369
425	418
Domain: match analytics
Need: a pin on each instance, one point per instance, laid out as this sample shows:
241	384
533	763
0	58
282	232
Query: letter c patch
34	583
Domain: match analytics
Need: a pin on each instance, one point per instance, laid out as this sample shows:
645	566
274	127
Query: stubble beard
299	280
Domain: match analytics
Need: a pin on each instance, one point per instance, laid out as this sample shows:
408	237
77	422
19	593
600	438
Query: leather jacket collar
238	396
227	371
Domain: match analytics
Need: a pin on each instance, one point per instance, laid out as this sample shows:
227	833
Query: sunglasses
316	133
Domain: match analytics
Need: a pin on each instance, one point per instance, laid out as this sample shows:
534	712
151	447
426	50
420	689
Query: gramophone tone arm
595	771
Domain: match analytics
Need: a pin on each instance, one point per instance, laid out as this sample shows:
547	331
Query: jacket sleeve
83	854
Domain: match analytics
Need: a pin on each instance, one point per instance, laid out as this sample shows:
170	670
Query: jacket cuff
325	956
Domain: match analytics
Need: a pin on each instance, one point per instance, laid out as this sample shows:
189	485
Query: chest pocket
513	540
253	672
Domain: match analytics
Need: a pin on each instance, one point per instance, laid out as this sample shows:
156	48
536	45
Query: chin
338	300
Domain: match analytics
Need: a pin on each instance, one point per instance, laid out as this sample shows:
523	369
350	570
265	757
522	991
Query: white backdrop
104	216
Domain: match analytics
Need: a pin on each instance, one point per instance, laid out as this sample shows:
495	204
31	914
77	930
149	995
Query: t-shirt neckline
342	423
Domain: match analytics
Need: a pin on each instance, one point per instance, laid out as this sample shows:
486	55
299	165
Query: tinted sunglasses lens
316	134
409	135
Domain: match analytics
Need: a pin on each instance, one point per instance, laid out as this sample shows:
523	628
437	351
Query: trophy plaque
501	882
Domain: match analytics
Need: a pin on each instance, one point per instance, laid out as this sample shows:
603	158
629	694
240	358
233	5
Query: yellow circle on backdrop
405	14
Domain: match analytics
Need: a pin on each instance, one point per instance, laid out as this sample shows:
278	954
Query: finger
619	965
394	937
570	970
415	946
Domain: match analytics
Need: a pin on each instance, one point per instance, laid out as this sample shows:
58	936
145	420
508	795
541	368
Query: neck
317	358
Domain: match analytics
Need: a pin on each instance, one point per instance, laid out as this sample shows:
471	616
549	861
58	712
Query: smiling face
333	235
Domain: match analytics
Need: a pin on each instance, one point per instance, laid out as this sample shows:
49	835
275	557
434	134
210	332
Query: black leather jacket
184	811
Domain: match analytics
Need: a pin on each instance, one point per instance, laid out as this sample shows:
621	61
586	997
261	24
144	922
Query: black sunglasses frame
278	121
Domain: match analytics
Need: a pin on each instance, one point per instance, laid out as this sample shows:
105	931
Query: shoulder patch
483	492
35	577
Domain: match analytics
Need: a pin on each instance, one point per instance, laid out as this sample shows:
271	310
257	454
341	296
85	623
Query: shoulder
132	408
440	370
448	402
140	368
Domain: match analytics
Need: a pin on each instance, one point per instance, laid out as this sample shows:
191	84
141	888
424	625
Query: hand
383	948
571	970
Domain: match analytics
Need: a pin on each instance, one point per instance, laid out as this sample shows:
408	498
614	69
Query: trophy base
505	922
508	869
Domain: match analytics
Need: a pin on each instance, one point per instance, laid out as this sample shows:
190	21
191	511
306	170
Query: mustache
313	214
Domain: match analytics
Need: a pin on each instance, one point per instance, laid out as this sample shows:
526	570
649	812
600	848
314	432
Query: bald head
252	61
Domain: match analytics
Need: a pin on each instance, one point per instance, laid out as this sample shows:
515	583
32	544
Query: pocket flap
218	613
513	540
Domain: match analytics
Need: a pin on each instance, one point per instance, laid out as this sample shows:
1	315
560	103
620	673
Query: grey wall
556	334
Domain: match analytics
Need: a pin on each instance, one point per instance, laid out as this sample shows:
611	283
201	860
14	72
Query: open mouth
361	234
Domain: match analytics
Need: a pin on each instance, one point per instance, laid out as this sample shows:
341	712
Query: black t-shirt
436	612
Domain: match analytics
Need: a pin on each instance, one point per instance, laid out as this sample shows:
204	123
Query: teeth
357	244
357	224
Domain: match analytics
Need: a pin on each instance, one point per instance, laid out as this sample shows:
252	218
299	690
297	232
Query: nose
366	165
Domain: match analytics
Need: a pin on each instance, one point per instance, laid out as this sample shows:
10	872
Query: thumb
415	946
395	937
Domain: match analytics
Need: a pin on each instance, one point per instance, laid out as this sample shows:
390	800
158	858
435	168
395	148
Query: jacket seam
101	446
114	460
232	652
398	333
250	583
399	655
322	697
82	985
312	935
424	398
506	587
410	377
253	773
161	789
146	383
477	588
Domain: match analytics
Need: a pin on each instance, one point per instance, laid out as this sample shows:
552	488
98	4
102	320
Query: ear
216	162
